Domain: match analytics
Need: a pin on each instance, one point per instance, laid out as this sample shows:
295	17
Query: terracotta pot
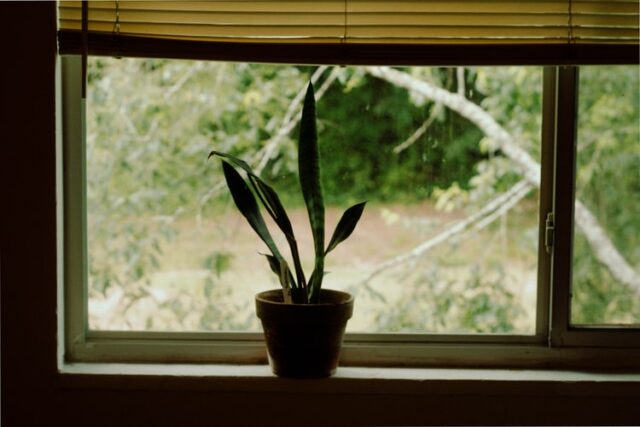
304	340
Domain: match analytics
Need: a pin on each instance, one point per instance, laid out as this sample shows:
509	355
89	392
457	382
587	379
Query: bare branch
506	207
168	95
461	83
526	165
517	192
291	119
437	108
603	248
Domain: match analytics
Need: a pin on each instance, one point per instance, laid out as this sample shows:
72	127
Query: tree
601	244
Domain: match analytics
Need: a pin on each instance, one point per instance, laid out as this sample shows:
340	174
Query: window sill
350	380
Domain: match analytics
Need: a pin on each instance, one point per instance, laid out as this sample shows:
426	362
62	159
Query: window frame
554	344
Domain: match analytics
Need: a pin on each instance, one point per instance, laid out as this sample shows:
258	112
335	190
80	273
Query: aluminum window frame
554	344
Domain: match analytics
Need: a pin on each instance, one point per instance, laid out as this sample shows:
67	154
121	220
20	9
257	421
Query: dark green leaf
274	207
274	264
267	194
246	204
309	172
346	225
314	285
233	159
273	204
276	210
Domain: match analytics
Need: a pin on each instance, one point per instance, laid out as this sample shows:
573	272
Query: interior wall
28	271
33	394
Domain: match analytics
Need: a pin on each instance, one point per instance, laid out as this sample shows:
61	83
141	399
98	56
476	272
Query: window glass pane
447	242
606	258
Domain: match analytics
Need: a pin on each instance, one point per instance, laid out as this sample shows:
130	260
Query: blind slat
219	31
479	7
365	21
209	18
310	6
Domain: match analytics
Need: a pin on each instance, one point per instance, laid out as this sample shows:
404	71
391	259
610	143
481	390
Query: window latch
549	229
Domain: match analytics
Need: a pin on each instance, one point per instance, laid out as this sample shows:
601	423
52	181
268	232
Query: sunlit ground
489	276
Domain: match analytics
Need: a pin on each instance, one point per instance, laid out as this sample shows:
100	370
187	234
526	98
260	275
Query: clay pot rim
265	298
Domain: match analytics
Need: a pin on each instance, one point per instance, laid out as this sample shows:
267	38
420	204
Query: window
168	252
470	178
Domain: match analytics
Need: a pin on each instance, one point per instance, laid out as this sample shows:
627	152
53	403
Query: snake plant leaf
275	266
346	225
267	194
271	201
269	197
252	176
314	285
309	173
297	294
233	159
247	205
285	276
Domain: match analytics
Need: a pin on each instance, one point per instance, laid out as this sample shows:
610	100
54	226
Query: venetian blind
488	22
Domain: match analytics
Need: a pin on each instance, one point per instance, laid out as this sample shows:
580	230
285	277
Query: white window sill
349	380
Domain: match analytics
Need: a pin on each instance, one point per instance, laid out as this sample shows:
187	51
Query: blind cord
116	29
344	33
570	29
85	46
116	24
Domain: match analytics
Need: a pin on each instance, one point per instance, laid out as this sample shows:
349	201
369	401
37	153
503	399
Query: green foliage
144	153
597	297
434	303
363	122
151	121
608	183
513	96
218	262
608	169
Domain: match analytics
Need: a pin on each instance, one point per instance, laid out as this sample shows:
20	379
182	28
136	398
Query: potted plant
303	324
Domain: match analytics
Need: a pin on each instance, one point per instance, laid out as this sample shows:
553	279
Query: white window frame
555	343
563	333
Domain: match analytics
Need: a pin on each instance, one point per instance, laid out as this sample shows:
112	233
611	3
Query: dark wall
28	270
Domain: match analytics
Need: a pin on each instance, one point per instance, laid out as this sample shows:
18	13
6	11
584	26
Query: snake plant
296	289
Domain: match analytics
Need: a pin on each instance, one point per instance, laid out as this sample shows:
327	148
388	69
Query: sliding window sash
563	333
